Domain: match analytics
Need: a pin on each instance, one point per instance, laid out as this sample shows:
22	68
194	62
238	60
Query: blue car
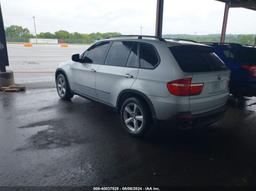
241	60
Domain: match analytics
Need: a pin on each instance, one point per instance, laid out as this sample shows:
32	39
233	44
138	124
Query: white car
148	79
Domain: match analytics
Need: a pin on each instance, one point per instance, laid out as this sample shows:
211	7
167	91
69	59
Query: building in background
43	41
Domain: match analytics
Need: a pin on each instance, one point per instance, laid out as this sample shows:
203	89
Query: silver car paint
109	81
84	78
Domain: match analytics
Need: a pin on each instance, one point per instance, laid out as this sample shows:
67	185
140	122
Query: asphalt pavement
38	63
48	142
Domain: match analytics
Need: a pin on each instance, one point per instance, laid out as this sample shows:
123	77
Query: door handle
128	76
93	70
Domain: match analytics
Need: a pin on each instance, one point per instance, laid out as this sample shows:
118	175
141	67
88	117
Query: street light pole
3	48
34	18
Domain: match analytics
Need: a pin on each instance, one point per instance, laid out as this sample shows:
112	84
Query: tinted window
197	59
133	58
242	55
148	56
119	53
97	52
229	54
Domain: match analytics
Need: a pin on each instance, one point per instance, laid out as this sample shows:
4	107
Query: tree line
245	39
15	33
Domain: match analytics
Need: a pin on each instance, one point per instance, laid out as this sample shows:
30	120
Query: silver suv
149	79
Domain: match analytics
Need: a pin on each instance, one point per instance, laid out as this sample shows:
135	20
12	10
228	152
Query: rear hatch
207	70
245	59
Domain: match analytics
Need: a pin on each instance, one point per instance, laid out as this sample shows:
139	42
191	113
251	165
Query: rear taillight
184	87
250	68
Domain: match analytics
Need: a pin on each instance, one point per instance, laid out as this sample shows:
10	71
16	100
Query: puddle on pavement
44	137
55	134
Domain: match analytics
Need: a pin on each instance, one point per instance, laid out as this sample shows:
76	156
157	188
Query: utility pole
3	48
141	28
34	18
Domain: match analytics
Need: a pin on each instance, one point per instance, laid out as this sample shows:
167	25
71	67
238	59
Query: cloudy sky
126	16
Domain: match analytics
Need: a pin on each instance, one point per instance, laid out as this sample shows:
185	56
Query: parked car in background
149	79
241	60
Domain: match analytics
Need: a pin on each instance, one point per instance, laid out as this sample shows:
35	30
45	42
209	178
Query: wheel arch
134	93
61	71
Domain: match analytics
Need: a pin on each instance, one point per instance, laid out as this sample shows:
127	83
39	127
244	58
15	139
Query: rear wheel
63	88
135	116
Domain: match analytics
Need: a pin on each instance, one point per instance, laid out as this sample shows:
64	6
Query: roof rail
139	37
181	39
225	43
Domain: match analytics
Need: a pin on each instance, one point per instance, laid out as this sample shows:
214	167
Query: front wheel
63	88
135	116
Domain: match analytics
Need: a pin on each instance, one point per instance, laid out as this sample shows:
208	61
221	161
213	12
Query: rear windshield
193	58
242	55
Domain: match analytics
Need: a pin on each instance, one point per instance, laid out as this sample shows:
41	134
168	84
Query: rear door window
119	53
133	60
148	56
193	58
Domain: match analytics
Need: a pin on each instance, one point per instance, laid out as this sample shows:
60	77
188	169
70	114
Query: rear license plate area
218	86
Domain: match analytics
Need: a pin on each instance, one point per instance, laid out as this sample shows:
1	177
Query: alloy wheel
133	117
61	86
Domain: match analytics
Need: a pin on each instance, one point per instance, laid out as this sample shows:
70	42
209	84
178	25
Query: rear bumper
188	120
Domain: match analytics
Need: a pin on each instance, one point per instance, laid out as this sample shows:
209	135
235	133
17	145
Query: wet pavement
38	63
45	141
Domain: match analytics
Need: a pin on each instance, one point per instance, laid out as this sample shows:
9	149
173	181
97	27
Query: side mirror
76	58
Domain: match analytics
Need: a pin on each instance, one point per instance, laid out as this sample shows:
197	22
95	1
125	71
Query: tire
135	116
63	87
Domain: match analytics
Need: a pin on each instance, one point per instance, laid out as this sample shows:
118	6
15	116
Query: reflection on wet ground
44	141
